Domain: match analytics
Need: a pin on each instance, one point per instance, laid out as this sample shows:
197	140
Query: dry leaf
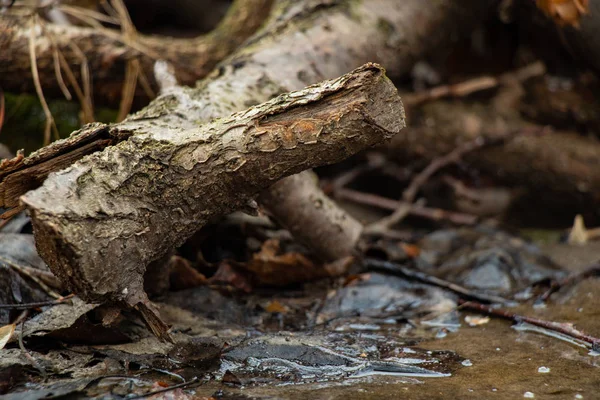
229	274
182	275
271	268
411	250
276	307
564	12
5	334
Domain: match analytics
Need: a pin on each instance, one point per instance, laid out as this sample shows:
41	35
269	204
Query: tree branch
100	222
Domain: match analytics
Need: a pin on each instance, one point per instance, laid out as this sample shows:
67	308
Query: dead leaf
411	250
271	268
564	12
276	307
229	274
6	333
182	275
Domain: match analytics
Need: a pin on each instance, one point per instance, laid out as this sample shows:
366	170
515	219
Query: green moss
24	120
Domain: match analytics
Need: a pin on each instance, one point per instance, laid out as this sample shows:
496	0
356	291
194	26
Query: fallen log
303	43
101	221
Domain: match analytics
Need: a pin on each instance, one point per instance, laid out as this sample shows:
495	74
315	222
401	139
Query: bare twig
8	214
454	156
132	70
560	327
84	96
28	274
396	269
45	276
435	214
592	270
167	389
410	193
28	355
470	86
58	73
25	306
408	196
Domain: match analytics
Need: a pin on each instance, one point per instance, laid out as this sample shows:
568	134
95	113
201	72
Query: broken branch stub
99	222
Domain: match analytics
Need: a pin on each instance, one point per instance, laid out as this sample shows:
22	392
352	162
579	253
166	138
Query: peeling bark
100	222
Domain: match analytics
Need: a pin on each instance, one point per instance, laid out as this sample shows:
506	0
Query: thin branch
434	214
58	72
26	352
26	306
478	84
437	164
592	270
167	389
25	272
560	327
84	95
132	70
396	269
409	194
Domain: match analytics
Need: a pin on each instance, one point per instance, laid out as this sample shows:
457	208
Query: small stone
543	370
529	395
467	363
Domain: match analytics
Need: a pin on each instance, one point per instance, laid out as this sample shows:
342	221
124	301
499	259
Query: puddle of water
498	362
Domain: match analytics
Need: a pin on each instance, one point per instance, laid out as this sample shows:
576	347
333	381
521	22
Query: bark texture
308	41
305	42
100	222
106	51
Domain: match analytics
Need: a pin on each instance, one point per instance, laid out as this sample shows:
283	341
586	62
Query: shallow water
499	361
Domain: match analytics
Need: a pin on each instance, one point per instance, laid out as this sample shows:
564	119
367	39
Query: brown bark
100	222
107	51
